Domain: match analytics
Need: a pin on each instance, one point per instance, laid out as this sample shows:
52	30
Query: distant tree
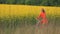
15	2
32	2
2	1
48	3
10	1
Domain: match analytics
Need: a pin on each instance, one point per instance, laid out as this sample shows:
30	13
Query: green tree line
32	2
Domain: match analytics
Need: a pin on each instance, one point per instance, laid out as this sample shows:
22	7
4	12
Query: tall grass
13	22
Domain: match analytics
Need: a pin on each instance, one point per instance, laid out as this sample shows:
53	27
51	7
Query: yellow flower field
22	10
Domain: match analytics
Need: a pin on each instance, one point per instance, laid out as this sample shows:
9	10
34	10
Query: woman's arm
39	16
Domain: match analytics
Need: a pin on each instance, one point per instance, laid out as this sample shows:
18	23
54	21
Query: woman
43	16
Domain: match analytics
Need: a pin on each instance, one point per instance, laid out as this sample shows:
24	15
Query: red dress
44	19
